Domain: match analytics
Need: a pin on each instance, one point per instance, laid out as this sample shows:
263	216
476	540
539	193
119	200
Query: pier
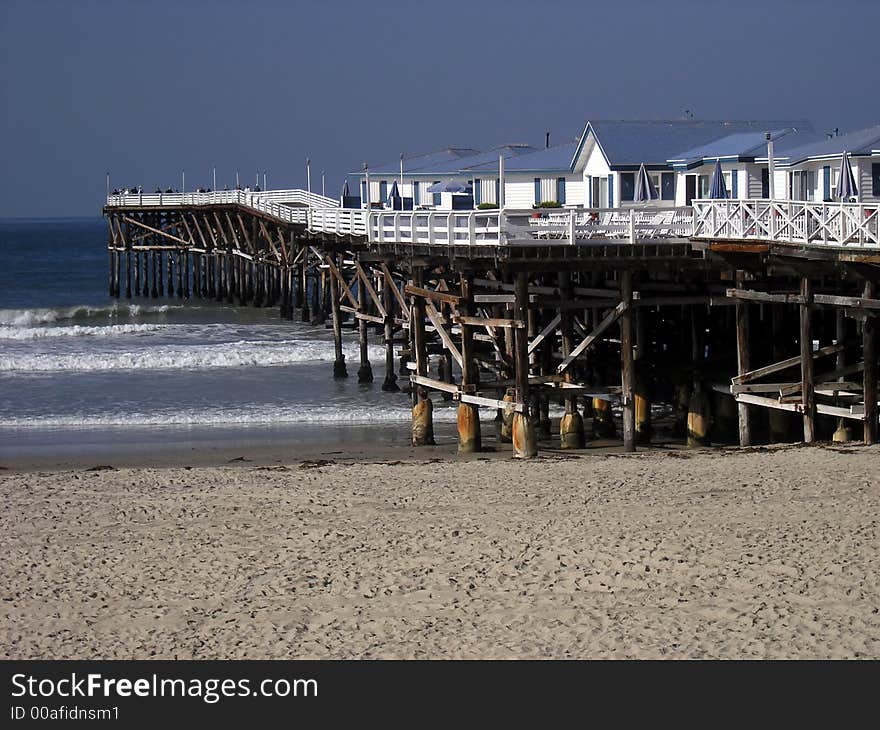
754	320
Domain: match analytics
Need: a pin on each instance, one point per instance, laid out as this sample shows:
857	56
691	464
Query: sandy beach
737	553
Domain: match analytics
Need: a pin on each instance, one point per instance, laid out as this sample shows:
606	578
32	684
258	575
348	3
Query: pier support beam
869	350
806	343
468	420
743	360
571	427
365	371
642	383
389	385
627	365
525	445
422	413
339	370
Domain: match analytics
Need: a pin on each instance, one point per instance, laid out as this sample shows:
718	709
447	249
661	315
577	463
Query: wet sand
736	553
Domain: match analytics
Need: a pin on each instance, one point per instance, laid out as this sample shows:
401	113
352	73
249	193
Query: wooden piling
389	385
525	445
365	371
806	344
339	369
468	419
627	367
743	360
571	427
422	413
869	351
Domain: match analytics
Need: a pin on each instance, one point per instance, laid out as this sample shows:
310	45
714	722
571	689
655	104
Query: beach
417	553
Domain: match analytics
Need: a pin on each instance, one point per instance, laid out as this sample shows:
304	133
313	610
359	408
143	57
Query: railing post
632	226
571	227
450	228
472	227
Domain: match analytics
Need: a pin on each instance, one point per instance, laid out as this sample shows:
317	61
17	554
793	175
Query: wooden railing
783	221
788	221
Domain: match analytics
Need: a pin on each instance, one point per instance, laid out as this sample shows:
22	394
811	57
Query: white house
812	169
610	153
743	159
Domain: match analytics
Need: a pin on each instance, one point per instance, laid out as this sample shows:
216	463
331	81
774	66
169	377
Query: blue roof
859	142
426	160
743	146
631	143
464	164
552	159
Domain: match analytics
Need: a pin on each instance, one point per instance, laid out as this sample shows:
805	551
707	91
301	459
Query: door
690	189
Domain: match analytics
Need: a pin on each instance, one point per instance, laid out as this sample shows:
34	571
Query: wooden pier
754	320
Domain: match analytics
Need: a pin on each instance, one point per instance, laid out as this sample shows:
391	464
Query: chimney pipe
547	140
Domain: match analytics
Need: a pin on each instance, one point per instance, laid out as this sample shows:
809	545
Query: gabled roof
858	142
743	147
552	159
628	144
422	161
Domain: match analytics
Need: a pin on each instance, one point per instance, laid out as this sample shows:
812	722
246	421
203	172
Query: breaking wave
8	332
194	357
80	313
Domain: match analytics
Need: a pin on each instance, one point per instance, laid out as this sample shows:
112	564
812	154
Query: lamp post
322	184
108	184
183	181
367	176
309	174
500	182
214	178
265	180
237	185
771	166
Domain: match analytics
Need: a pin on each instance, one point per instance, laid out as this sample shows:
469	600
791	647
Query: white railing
593	224
789	221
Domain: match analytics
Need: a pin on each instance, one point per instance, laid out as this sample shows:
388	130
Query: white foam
352	415
8	332
175	357
31	317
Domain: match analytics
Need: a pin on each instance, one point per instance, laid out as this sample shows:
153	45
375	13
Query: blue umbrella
645	189
450	186
846	181
718	191
394	193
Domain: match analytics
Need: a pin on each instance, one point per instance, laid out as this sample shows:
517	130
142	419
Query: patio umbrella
846	181
718	191
645	190
450	186
394	193
345	192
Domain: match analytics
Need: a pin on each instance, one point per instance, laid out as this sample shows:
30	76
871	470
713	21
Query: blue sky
145	89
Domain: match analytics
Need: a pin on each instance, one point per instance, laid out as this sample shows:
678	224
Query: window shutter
537	190
436	195
611	191
734	183
826	182
590	202
560	190
415	196
363	192
477	191
383	191
875	180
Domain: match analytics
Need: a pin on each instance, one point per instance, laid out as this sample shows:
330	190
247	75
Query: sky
144	90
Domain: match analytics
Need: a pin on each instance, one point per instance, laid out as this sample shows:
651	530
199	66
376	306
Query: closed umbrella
718	191
846	181
645	190
394	193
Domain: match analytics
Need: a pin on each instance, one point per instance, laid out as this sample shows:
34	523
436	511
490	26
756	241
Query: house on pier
610	153
743	158
811	170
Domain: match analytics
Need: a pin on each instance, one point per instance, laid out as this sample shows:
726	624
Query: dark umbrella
345	192
718	191
846	181
394	193
645	190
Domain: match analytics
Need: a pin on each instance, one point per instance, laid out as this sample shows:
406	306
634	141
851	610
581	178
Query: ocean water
78	367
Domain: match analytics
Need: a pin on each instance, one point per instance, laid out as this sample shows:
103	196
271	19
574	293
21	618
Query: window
765	183
477	191
598	192
667	186
703	186
560	190
545	190
436	195
875	180
415	194
627	186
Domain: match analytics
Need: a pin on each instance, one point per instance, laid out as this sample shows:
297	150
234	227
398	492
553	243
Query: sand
736	553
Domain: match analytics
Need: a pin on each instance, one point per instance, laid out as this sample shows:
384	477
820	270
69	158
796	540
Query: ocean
81	370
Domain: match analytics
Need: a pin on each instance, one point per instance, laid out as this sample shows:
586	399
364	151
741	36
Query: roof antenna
547	140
